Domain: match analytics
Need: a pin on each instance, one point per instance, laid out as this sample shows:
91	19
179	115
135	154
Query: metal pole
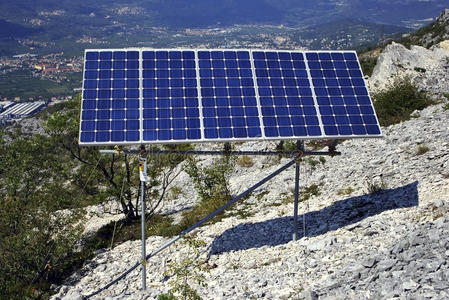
143	177
300	147
295	209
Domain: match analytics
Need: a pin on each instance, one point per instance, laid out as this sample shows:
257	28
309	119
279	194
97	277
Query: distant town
54	67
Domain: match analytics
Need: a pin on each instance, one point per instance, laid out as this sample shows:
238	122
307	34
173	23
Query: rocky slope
357	245
427	68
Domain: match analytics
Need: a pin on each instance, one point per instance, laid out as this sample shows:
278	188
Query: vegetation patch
396	103
368	63
421	149
174	192
261	195
243	211
304	194
375	187
245	161
345	191
187	272
446	107
309	192
315	162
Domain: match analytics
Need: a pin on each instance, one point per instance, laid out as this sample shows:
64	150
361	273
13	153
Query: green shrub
174	192
346	191
367	64
245	161
375	187
168	296
304	194
212	185
186	272
35	239
315	162
309	191
290	146
396	103
422	149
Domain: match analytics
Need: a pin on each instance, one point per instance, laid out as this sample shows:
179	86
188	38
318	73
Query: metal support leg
295	213
300	147
143	179
144	253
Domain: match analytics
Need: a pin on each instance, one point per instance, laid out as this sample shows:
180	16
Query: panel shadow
341	213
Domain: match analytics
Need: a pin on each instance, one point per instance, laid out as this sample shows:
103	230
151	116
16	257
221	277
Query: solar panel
145	96
286	97
228	97
170	96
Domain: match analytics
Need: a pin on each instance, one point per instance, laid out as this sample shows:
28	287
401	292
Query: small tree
213	181
186	272
113	176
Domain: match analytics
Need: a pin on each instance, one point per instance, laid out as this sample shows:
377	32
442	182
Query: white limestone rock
427	68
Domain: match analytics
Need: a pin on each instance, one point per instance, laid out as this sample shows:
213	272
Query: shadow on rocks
340	214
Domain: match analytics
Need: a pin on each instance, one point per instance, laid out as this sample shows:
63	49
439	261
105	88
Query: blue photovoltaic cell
286	99
110	107
342	97
164	96
229	103
170	96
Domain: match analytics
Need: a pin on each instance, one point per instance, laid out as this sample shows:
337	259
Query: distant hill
200	13
204	13
10	30
348	34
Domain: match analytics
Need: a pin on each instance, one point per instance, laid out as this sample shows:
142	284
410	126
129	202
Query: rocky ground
356	244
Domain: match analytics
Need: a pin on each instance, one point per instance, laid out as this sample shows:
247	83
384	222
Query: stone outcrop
427	68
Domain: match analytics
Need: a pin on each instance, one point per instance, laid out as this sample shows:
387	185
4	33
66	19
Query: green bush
187	272
421	149
212	185
368	64
345	191
396	103
375	186
245	161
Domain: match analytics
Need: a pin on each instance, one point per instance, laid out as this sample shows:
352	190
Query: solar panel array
134	96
